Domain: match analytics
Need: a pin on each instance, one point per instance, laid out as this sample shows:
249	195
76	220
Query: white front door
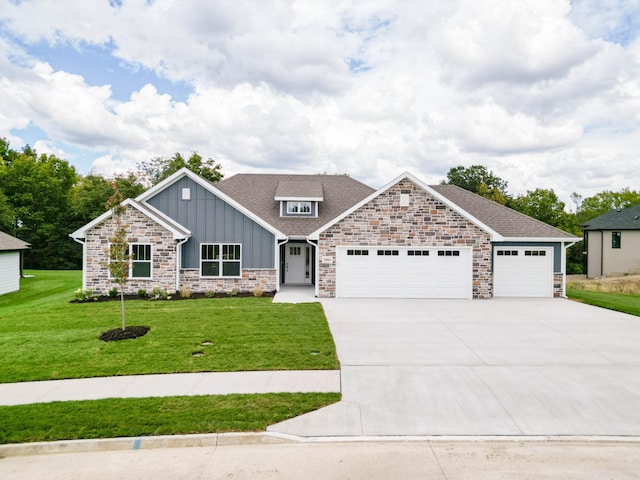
297	266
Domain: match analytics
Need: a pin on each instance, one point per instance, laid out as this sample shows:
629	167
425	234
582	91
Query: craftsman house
404	240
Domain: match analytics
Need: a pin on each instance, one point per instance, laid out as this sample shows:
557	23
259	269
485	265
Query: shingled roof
619	219
257	193
507	222
9	243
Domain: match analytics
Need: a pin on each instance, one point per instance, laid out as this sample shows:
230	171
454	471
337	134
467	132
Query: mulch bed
175	296
119	334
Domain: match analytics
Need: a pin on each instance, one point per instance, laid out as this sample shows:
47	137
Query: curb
266	438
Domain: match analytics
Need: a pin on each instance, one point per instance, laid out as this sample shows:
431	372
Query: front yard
44	337
615	293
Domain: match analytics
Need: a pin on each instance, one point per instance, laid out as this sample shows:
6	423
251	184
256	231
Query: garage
404	272
523	271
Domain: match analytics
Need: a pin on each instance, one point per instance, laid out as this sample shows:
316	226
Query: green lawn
43	336
613	301
153	416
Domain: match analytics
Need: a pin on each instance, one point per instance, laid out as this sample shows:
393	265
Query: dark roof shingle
504	220
622	219
257	193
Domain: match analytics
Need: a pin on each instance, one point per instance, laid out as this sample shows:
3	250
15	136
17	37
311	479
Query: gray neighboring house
404	240
612	242
11	249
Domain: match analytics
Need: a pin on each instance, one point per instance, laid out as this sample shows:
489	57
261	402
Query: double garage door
387	272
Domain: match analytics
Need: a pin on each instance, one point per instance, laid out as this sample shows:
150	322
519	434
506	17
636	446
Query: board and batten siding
9	272
212	220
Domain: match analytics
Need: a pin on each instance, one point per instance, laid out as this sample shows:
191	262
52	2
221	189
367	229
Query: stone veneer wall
557	284
252	278
425	222
141	229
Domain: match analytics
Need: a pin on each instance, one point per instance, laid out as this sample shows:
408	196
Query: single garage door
523	272
386	272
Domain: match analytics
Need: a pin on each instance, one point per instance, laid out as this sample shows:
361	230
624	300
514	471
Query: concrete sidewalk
177	384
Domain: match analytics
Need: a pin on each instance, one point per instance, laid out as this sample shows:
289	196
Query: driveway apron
480	367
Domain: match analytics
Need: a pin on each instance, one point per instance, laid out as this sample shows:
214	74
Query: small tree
118	245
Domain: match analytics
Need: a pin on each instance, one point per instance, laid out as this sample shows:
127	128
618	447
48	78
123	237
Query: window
507	253
418	253
616	239
140	260
535	253
220	260
299	208
448	253
387	253
357	252
186	194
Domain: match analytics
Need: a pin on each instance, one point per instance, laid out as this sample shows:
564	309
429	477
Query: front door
297	263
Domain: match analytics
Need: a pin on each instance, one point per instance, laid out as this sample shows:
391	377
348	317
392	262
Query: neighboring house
612	242
11	249
405	240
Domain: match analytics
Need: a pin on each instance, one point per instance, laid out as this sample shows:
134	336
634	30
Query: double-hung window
140	260
220	259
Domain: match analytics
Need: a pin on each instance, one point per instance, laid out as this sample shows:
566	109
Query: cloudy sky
546	93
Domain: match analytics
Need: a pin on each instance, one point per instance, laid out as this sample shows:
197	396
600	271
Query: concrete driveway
486	367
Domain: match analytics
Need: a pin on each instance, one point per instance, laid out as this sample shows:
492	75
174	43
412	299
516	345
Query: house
404	240
11	249
612	242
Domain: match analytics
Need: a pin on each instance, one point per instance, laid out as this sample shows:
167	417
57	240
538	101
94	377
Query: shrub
257	292
158	293
142	293
210	294
83	295
232	293
113	293
185	292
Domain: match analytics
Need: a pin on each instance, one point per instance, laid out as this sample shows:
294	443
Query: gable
211	219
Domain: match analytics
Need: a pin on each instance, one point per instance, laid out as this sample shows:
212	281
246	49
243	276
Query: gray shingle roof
294	190
504	220
257	192
9	243
623	219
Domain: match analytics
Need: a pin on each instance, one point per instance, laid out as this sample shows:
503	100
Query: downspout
564	268
84	260
277	260
179	261
315	268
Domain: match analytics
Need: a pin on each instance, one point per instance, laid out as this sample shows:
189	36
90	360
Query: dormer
299	199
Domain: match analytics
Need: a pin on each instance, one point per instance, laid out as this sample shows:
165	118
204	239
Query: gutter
564	267
179	261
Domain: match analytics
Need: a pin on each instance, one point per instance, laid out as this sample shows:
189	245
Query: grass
613	301
153	416
43	336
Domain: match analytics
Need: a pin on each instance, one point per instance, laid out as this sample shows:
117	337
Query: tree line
43	199
543	204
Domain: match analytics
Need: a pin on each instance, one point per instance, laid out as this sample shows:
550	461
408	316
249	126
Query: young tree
118	245
159	168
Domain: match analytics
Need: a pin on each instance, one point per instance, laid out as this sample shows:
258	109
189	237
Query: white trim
185	172
540	239
220	260
133	260
177	230
495	236
298	204
298	199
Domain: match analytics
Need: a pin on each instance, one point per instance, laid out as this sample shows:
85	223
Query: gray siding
557	253
212	220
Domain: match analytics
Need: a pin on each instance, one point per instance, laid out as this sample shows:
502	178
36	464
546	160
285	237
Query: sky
544	93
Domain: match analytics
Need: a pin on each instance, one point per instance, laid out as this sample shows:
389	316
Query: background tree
159	168
602	202
478	179
36	196
118	245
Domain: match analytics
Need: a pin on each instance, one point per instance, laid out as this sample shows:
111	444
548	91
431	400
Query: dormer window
299	198
299	208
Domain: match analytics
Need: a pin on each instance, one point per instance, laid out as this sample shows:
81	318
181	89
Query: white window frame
298	210
220	260
131	260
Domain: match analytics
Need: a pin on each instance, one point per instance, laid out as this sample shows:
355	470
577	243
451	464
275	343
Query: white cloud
529	88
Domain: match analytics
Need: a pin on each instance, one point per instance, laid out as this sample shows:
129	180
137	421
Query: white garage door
523	272
386	272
